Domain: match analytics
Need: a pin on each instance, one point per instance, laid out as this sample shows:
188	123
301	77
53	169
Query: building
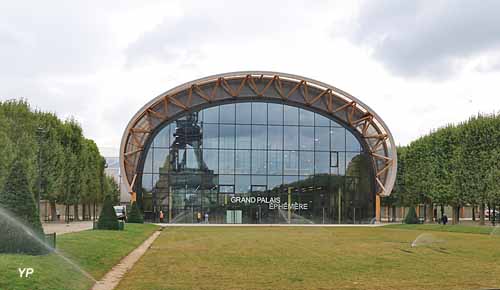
258	147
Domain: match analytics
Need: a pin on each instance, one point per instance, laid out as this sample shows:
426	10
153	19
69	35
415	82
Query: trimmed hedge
108	219
135	215
411	217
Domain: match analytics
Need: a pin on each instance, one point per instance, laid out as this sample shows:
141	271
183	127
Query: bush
135	215
411	217
107	219
20	227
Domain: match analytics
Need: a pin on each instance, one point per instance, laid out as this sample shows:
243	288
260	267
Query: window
334	159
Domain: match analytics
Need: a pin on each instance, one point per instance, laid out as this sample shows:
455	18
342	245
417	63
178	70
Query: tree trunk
84	211
53	211
75	212
481	214
473	213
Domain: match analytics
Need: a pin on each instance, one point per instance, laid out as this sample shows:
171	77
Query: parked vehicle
121	212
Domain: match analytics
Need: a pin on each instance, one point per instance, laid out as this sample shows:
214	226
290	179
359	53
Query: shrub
20	227
135	215
411	217
107	219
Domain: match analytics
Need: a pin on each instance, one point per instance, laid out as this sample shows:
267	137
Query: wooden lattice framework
260	85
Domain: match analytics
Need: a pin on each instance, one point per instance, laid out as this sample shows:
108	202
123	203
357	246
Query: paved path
113	277
64	228
269	225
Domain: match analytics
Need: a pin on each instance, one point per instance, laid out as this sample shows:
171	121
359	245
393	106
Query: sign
272	202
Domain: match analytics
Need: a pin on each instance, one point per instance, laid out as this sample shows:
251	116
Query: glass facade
256	162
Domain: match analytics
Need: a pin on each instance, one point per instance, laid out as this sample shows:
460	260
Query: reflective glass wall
256	162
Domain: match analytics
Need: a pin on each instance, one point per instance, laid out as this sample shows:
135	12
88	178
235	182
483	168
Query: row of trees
60	163
456	165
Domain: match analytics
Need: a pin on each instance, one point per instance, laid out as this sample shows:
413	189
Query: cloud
428	39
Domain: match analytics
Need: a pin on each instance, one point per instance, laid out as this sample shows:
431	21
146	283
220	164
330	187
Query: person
161	216
445	219
206	217
198	217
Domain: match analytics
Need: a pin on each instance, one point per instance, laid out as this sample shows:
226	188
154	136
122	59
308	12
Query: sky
419	64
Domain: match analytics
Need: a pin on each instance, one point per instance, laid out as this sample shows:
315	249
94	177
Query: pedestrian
198	217
206	217
161	216
445	219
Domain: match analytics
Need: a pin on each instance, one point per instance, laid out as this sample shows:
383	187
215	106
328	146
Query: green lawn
315	258
94	251
471	229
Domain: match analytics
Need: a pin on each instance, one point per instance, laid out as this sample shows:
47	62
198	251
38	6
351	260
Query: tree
19	200
108	219
135	215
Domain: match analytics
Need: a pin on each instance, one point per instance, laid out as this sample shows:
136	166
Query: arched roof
262	85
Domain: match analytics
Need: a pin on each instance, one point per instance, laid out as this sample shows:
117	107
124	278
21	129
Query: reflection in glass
306	139
275	139
291	137
351	143
275	162
211	115
275	114
306	166
259	113
291	115
337	137
322	138
259	161
242	162
243	136
226	161
259	137
227	113
162	139
291	162
243	113
306	118
210	136
227	137
321	162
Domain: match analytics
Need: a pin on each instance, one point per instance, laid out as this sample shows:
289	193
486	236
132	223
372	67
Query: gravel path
113	277
63	228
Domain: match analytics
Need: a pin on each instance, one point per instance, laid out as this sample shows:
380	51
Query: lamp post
40	132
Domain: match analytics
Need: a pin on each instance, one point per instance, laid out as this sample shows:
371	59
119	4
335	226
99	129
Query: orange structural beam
377	208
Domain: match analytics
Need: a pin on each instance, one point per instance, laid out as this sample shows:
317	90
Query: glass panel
226	179
259	113
275	139
243	136
306	140
321	162
291	137
334	159
275	162
211	115
226	136
242	162
320	120
274	182
162	139
335	124
291	162
337	137
191	161
275	114
244	113
226	161
290	180
210	136
242	183
306	163
351	143
148	163
259	137
291	115
211	159
160	160
322	138
306	118
147	182
227	113
259	162
353	163
341	166
226	188
259	180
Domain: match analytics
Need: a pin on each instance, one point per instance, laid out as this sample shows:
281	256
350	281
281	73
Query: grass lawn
94	251
471	229
315	258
